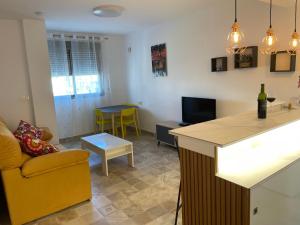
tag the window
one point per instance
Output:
(75, 66)
(63, 85)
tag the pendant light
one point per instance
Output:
(270, 40)
(235, 37)
(294, 43)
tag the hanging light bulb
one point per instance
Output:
(294, 43)
(235, 37)
(269, 42)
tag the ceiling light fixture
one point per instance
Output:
(108, 11)
(270, 40)
(295, 39)
(235, 37)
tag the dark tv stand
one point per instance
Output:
(162, 132)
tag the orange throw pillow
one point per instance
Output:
(36, 147)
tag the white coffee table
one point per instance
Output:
(109, 147)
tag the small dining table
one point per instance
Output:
(116, 109)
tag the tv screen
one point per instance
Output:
(197, 110)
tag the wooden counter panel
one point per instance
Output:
(207, 199)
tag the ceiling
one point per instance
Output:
(76, 15)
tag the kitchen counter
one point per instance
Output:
(228, 130)
(226, 165)
(247, 150)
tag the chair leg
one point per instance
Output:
(178, 204)
(122, 128)
(136, 129)
(138, 122)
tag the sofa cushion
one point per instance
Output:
(27, 128)
(55, 161)
(36, 147)
(46, 134)
(25, 157)
(10, 151)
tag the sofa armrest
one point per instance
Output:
(50, 162)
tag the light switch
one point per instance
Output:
(25, 98)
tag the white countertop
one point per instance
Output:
(249, 150)
(228, 130)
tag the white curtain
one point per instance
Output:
(61, 79)
(80, 82)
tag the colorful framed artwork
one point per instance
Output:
(159, 60)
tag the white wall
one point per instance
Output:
(24, 72)
(14, 77)
(114, 58)
(35, 37)
(191, 43)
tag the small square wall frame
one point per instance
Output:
(219, 64)
(247, 59)
(282, 61)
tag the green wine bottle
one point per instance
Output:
(262, 103)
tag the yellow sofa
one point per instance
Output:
(36, 187)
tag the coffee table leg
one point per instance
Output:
(131, 158)
(104, 164)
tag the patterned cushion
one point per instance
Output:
(36, 147)
(27, 128)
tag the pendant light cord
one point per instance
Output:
(296, 7)
(271, 13)
(235, 13)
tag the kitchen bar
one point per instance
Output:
(239, 170)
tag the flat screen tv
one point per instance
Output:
(198, 110)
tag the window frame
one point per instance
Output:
(70, 66)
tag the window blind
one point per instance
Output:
(76, 65)
(84, 57)
(58, 57)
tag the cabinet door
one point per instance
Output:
(162, 134)
(277, 200)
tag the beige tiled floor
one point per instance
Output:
(146, 194)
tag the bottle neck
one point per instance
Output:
(262, 89)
